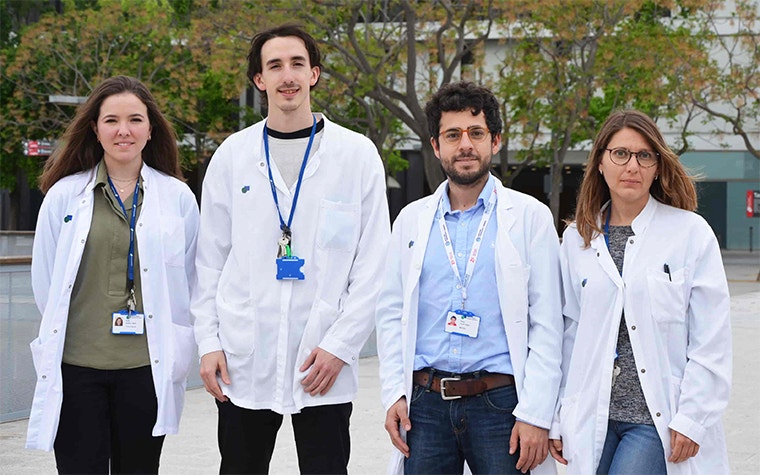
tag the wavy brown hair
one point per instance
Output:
(674, 186)
(80, 150)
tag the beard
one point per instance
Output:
(465, 178)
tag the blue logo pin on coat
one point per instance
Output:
(411, 243)
(68, 218)
(246, 189)
(583, 282)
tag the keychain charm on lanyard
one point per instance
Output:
(288, 265)
(461, 321)
(129, 321)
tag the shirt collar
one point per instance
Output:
(483, 197)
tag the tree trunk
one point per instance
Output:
(433, 172)
(555, 171)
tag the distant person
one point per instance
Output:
(647, 348)
(294, 227)
(487, 258)
(115, 238)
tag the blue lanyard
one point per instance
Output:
(607, 228)
(131, 256)
(283, 226)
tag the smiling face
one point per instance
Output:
(467, 162)
(629, 184)
(123, 129)
(286, 76)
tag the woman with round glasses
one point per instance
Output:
(647, 347)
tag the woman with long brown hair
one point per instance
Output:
(647, 347)
(112, 266)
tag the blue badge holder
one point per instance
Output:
(289, 268)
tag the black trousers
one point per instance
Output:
(106, 422)
(247, 437)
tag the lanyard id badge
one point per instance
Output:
(288, 265)
(129, 321)
(462, 322)
(126, 322)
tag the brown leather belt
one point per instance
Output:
(455, 387)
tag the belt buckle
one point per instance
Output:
(443, 389)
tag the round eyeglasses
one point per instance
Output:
(453, 136)
(645, 158)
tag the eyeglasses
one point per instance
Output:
(453, 136)
(621, 156)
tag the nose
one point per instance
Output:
(465, 142)
(123, 129)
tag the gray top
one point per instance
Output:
(627, 403)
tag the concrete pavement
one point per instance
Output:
(194, 450)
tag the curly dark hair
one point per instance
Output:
(461, 96)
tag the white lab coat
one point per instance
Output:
(267, 327)
(166, 238)
(527, 273)
(679, 329)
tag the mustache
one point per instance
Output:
(465, 155)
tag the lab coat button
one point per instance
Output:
(150, 315)
(643, 370)
(597, 254)
(145, 269)
(55, 331)
(633, 327)
(631, 241)
(658, 414)
(82, 241)
(261, 164)
(155, 361)
(44, 377)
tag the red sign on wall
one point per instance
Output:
(753, 203)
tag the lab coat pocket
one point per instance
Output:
(339, 225)
(184, 349)
(236, 326)
(173, 240)
(666, 295)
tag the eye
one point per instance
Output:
(452, 135)
(477, 133)
(620, 153)
(644, 155)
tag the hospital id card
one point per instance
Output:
(126, 323)
(462, 322)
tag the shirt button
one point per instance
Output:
(454, 351)
(459, 286)
(643, 370)
(462, 224)
(459, 254)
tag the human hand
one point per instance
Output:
(681, 447)
(555, 448)
(211, 364)
(325, 368)
(397, 416)
(534, 445)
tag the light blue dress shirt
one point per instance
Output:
(440, 293)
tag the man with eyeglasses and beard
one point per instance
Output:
(482, 391)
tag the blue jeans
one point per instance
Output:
(632, 449)
(476, 429)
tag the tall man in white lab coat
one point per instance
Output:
(294, 228)
(481, 391)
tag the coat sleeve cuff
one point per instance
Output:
(209, 345)
(689, 428)
(340, 350)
